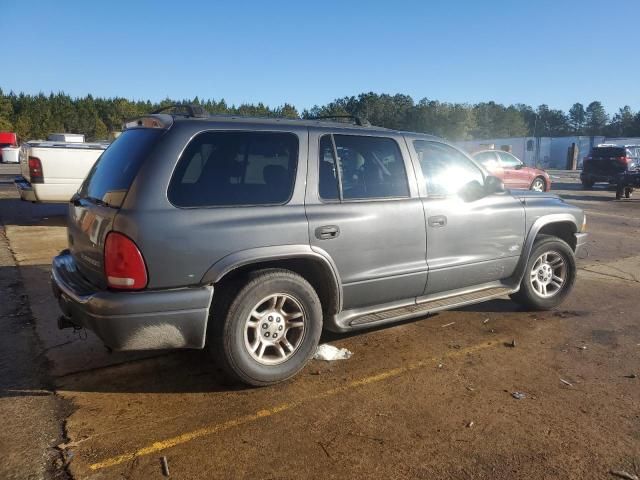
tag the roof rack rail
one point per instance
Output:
(195, 111)
(361, 122)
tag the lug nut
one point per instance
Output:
(264, 325)
(275, 335)
(270, 318)
(278, 319)
(267, 334)
(280, 327)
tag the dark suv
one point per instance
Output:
(248, 236)
(606, 162)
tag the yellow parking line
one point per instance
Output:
(236, 422)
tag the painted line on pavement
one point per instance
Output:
(268, 412)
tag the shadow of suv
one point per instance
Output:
(247, 236)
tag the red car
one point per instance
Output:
(512, 171)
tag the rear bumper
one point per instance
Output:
(25, 189)
(147, 320)
(598, 177)
(581, 241)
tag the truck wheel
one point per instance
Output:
(549, 275)
(538, 185)
(270, 330)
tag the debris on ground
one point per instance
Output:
(566, 382)
(623, 474)
(518, 395)
(485, 321)
(165, 466)
(330, 353)
(470, 388)
(470, 424)
(582, 347)
(631, 375)
(511, 344)
(447, 324)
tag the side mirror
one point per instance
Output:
(493, 185)
(519, 166)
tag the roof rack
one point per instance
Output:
(195, 111)
(361, 122)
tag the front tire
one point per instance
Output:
(549, 276)
(270, 330)
(538, 185)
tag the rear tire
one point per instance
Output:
(549, 275)
(256, 355)
(628, 192)
(588, 184)
(619, 192)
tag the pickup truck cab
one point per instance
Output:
(53, 171)
(248, 236)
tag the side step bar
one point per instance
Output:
(418, 309)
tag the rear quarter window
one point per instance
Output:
(235, 168)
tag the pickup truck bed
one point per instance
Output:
(53, 171)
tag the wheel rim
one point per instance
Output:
(274, 329)
(538, 186)
(548, 274)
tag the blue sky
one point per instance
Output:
(305, 53)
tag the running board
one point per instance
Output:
(417, 309)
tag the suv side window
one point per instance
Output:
(235, 168)
(445, 169)
(370, 168)
(508, 161)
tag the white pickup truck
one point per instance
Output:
(53, 171)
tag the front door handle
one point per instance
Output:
(327, 232)
(437, 221)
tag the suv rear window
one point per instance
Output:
(112, 174)
(235, 168)
(608, 152)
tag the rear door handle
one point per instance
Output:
(327, 232)
(437, 221)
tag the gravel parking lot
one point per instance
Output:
(431, 398)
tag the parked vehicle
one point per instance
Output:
(606, 162)
(10, 154)
(512, 171)
(249, 236)
(53, 171)
(8, 140)
(66, 137)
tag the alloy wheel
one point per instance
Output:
(274, 329)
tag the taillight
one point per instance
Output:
(624, 160)
(35, 170)
(123, 263)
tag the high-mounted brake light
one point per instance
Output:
(35, 170)
(123, 263)
(147, 122)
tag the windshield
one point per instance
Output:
(112, 175)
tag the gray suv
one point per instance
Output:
(248, 236)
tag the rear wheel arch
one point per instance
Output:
(312, 266)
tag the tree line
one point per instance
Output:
(35, 116)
